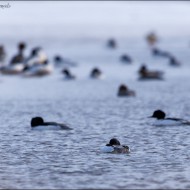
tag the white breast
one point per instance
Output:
(107, 149)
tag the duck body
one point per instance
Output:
(38, 70)
(12, 69)
(171, 122)
(117, 149)
(37, 123)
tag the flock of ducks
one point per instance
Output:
(37, 64)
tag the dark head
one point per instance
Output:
(111, 43)
(114, 141)
(57, 58)
(21, 46)
(66, 72)
(143, 67)
(125, 58)
(35, 51)
(36, 121)
(159, 114)
(96, 71)
(123, 88)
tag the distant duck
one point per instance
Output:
(38, 69)
(124, 91)
(96, 73)
(37, 123)
(151, 38)
(173, 61)
(19, 58)
(163, 121)
(159, 53)
(37, 56)
(2, 55)
(114, 146)
(146, 74)
(60, 61)
(68, 74)
(125, 59)
(111, 43)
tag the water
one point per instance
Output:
(71, 159)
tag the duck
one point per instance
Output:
(146, 74)
(111, 43)
(125, 58)
(96, 73)
(37, 56)
(59, 61)
(68, 74)
(37, 123)
(162, 120)
(19, 58)
(160, 53)
(151, 38)
(40, 70)
(114, 146)
(124, 91)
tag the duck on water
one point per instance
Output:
(37, 123)
(114, 146)
(162, 120)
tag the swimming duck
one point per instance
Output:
(124, 91)
(146, 74)
(96, 73)
(114, 146)
(37, 56)
(111, 43)
(151, 38)
(68, 74)
(160, 53)
(126, 58)
(19, 58)
(162, 120)
(38, 69)
(38, 123)
(59, 61)
(173, 61)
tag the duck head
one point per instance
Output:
(159, 114)
(113, 141)
(36, 121)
